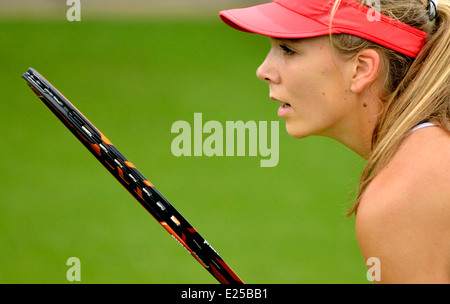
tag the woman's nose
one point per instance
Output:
(267, 72)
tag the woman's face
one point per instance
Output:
(312, 83)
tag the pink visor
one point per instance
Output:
(293, 19)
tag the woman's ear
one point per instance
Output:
(365, 69)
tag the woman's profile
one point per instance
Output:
(375, 77)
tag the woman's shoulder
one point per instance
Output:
(404, 214)
(419, 170)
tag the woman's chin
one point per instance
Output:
(296, 131)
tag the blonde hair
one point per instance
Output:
(415, 90)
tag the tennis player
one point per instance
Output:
(374, 77)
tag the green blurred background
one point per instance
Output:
(134, 68)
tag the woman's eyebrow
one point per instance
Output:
(286, 40)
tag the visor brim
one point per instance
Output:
(273, 20)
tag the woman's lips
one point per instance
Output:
(284, 109)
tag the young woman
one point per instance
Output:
(375, 78)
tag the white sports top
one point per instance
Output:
(423, 125)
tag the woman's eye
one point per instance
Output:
(287, 50)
